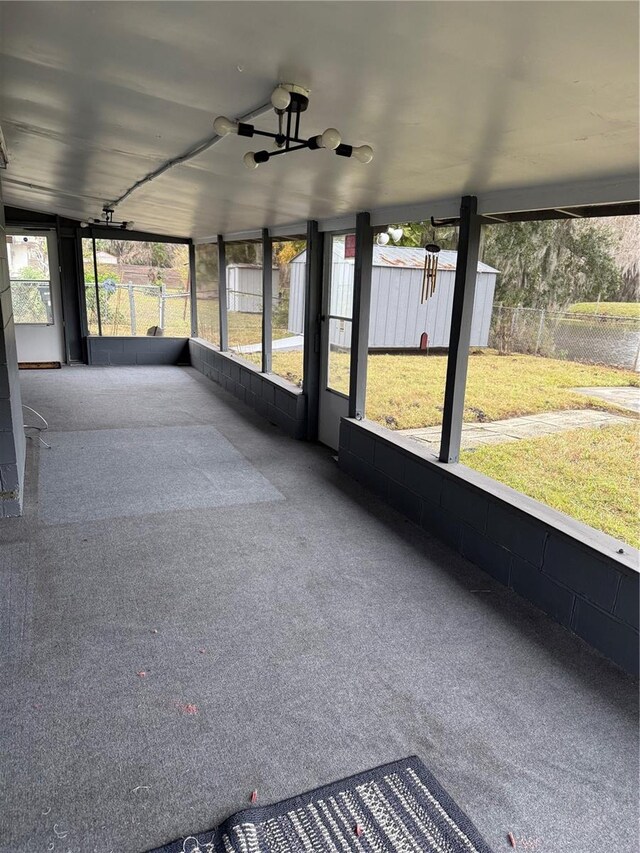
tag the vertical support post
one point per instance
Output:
(95, 275)
(267, 300)
(360, 316)
(312, 312)
(192, 290)
(222, 294)
(460, 336)
(540, 329)
(162, 306)
(132, 309)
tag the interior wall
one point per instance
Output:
(12, 438)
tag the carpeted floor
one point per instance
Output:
(302, 636)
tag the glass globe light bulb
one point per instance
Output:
(363, 153)
(331, 138)
(249, 160)
(223, 125)
(280, 98)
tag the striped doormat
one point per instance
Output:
(395, 807)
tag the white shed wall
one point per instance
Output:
(244, 288)
(398, 319)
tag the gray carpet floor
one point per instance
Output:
(291, 632)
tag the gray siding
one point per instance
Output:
(571, 572)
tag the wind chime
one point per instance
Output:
(430, 271)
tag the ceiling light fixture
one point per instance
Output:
(289, 102)
(107, 221)
(391, 233)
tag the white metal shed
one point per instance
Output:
(398, 318)
(244, 287)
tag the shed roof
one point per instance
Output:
(405, 257)
(413, 257)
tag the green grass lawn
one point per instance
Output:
(589, 474)
(406, 391)
(607, 309)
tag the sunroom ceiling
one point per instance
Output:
(455, 98)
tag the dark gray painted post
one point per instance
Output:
(267, 300)
(192, 289)
(95, 275)
(460, 337)
(222, 294)
(312, 312)
(361, 311)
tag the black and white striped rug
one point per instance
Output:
(395, 808)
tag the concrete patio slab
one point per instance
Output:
(627, 397)
(515, 429)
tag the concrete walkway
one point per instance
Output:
(291, 343)
(515, 429)
(627, 397)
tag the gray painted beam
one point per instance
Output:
(95, 276)
(361, 310)
(460, 336)
(222, 293)
(267, 300)
(192, 290)
(312, 312)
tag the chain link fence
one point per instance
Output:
(31, 302)
(136, 309)
(588, 338)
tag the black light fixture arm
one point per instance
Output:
(107, 220)
(292, 101)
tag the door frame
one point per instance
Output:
(332, 405)
(55, 284)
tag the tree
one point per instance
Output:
(141, 253)
(551, 263)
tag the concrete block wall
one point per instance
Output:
(273, 398)
(12, 438)
(571, 572)
(108, 350)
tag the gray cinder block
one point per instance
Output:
(529, 582)
(626, 607)
(524, 536)
(616, 640)
(467, 504)
(484, 553)
(582, 571)
(389, 460)
(441, 523)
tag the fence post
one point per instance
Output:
(540, 327)
(162, 297)
(132, 309)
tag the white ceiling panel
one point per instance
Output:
(454, 97)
